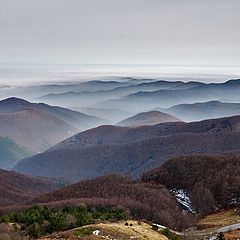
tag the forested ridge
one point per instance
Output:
(213, 182)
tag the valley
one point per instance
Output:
(170, 173)
(119, 120)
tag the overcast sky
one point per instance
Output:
(174, 32)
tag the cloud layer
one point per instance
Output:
(120, 31)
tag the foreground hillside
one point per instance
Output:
(142, 200)
(116, 230)
(211, 182)
(148, 118)
(103, 199)
(16, 188)
(108, 149)
(206, 183)
(200, 184)
(138, 200)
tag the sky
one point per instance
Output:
(164, 32)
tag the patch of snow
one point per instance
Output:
(182, 198)
(96, 232)
(233, 201)
(210, 238)
(159, 226)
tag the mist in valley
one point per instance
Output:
(119, 119)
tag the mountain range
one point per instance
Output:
(77, 119)
(165, 98)
(36, 91)
(116, 98)
(35, 127)
(131, 151)
(203, 110)
(204, 182)
(88, 98)
(171, 155)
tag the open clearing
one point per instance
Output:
(220, 219)
(116, 230)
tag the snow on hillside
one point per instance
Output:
(183, 198)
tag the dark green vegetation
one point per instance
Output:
(37, 221)
(142, 200)
(139, 199)
(211, 182)
(10, 152)
(83, 232)
(170, 235)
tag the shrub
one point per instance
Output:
(38, 221)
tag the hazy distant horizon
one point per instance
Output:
(77, 40)
(31, 74)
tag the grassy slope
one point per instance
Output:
(8, 232)
(220, 219)
(116, 230)
(10, 152)
(208, 225)
(234, 235)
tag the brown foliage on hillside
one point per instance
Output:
(140, 200)
(131, 151)
(15, 188)
(211, 180)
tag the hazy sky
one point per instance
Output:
(175, 32)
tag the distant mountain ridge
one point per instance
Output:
(88, 98)
(148, 118)
(33, 129)
(203, 110)
(108, 149)
(33, 92)
(76, 119)
(165, 98)
(130, 95)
